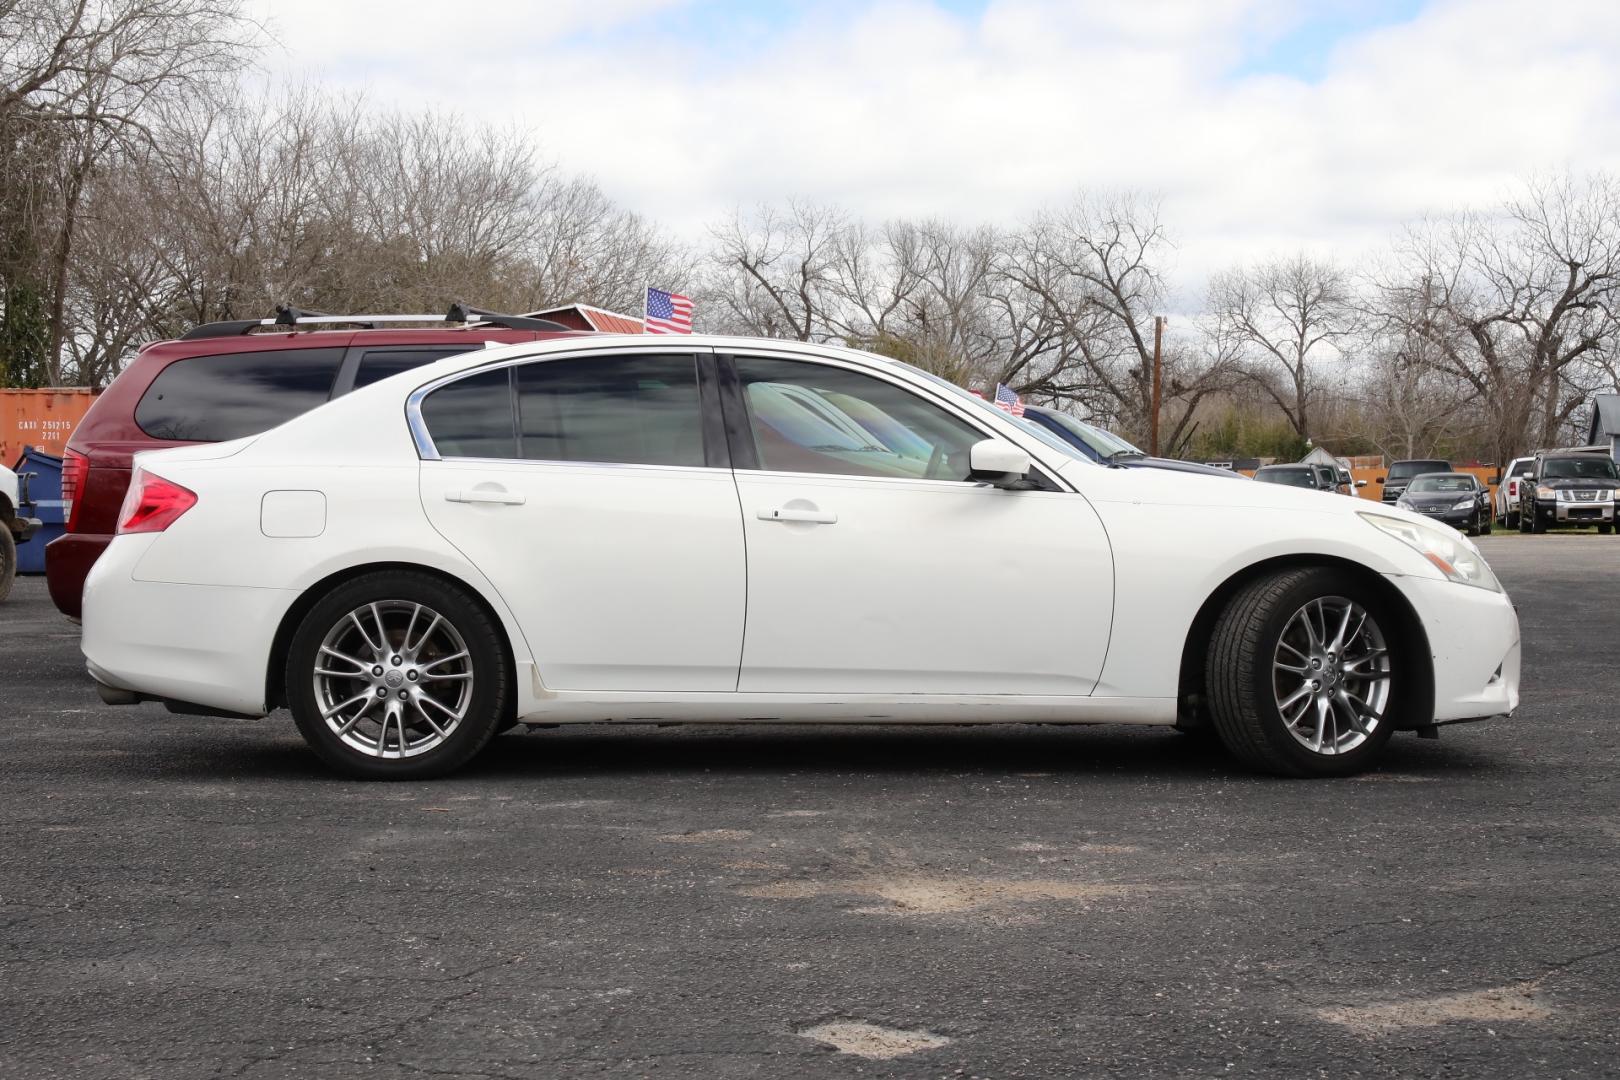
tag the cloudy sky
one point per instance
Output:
(1265, 125)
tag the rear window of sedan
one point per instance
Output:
(1405, 470)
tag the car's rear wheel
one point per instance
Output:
(1302, 673)
(397, 675)
(8, 560)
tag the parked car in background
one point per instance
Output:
(225, 380)
(15, 527)
(1509, 490)
(1401, 473)
(1456, 498)
(1313, 477)
(1568, 487)
(619, 528)
(1106, 448)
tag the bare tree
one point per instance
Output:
(1287, 317)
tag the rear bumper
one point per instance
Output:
(68, 560)
(206, 647)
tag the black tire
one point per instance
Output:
(488, 702)
(1239, 673)
(1537, 526)
(1605, 530)
(8, 560)
(1512, 520)
(1488, 525)
(1525, 518)
(1474, 525)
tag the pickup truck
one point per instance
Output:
(14, 527)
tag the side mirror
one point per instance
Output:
(1361, 483)
(999, 462)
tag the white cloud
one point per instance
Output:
(901, 108)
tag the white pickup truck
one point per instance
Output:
(14, 528)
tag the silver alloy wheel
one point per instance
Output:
(393, 679)
(1331, 674)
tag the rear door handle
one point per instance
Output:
(783, 513)
(485, 495)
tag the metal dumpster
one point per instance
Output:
(41, 475)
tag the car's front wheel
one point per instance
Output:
(1301, 673)
(397, 675)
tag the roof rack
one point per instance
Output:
(292, 318)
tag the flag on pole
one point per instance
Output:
(1007, 401)
(666, 313)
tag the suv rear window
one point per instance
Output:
(379, 364)
(215, 398)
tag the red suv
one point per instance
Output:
(225, 380)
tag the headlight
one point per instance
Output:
(1447, 549)
(1403, 504)
(1463, 504)
(1546, 493)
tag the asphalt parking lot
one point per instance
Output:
(190, 897)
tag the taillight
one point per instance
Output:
(153, 504)
(1513, 487)
(75, 469)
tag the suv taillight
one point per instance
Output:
(153, 504)
(75, 468)
(1513, 488)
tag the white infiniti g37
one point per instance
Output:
(702, 529)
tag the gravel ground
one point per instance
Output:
(188, 897)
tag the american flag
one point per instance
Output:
(667, 313)
(1008, 401)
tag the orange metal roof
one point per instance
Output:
(594, 318)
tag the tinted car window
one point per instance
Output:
(1405, 470)
(214, 398)
(641, 410)
(472, 417)
(1304, 478)
(816, 418)
(379, 364)
(1581, 468)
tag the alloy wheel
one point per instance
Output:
(1331, 675)
(393, 679)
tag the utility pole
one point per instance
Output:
(1158, 383)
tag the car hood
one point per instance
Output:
(1432, 498)
(1191, 467)
(1175, 487)
(1578, 483)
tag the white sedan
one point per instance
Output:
(630, 529)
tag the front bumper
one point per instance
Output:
(203, 645)
(1457, 519)
(1575, 513)
(1474, 641)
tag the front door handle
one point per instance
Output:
(497, 496)
(793, 513)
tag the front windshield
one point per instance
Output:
(1441, 482)
(1105, 443)
(1046, 437)
(1292, 477)
(1579, 468)
(1402, 470)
